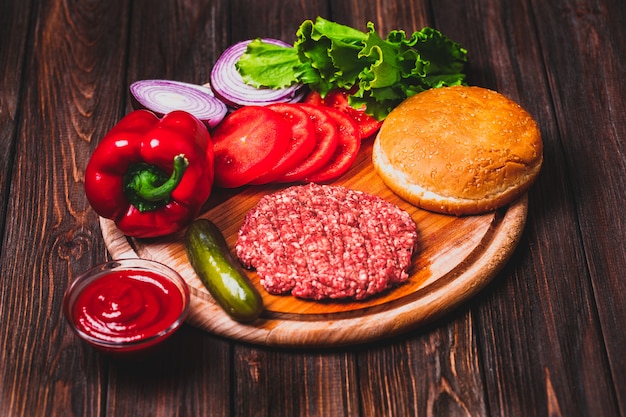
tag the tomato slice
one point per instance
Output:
(314, 98)
(326, 135)
(347, 149)
(338, 99)
(247, 143)
(367, 124)
(300, 145)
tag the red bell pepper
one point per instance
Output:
(150, 175)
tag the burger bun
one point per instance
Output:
(458, 150)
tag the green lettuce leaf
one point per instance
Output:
(268, 65)
(381, 72)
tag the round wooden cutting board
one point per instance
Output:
(456, 258)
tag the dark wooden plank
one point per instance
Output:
(385, 15)
(585, 74)
(189, 376)
(434, 372)
(266, 18)
(177, 40)
(294, 383)
(542, 350)
(69, 99)
(14, 31)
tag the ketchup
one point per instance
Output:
(126, 306)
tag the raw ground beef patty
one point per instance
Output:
(321, 241)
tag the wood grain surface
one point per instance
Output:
(546, 336)
(456, 258)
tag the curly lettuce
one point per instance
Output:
(379, 72)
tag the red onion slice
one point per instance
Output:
(164, 96)
(228, 85)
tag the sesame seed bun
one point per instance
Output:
(458, 150)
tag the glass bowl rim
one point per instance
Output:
(125, 264)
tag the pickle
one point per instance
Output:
(220, 273)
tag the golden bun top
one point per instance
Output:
(468, 144)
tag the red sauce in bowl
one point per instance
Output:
(127, 305)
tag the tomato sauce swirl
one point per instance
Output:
(126, 306)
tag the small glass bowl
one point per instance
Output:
(124, 267)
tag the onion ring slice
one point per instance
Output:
(228, 85)
(164, 96)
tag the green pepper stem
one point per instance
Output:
(147, 187)
(149, 191)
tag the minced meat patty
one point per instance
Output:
(321, 241)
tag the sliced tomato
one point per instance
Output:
(314, 98)
(367, 124)
(300, 145)
(326, 135)
(247, 143)
(347, 149)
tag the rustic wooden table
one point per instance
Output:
(546, 337)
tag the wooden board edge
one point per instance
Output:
(207, 315)
(410, 316)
